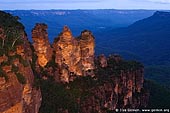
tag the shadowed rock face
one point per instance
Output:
(87, 45)
(16, 97)
(102, 61)
(123, 90)
(41, 44)
(17, 94)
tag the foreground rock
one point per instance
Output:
(17, 94)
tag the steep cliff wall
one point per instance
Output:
(121, 87)
(117, 84)
(17, 94)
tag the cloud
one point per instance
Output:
(160, 1)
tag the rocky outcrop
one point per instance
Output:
(17, 94)
(87, 45)
(68, 56)
(122, 90)
(74, 56)
(19, 98)
(113, 83)
(41, 44)
(102, 61)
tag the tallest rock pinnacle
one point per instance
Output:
(74, 55)
(68, 56)
(41, 44)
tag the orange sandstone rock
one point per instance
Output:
(74, 55)
(41, 44)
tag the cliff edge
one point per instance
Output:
(17, 94)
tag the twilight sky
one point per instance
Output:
(84, 4)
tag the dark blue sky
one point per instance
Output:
(84, 4)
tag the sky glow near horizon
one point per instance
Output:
(84, 4)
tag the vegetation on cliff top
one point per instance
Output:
(115, 67)
(10, 32)
(11, 35)
(58, 97)
(159, 95)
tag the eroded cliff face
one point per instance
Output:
(120, 86)
(17, 94)
(120, 92)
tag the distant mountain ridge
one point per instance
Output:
(147, 40)
(157, 21)
(67, 12)
(94, 20)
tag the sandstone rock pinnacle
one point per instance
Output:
(87, 45)
(41, 44)
(74, 55)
